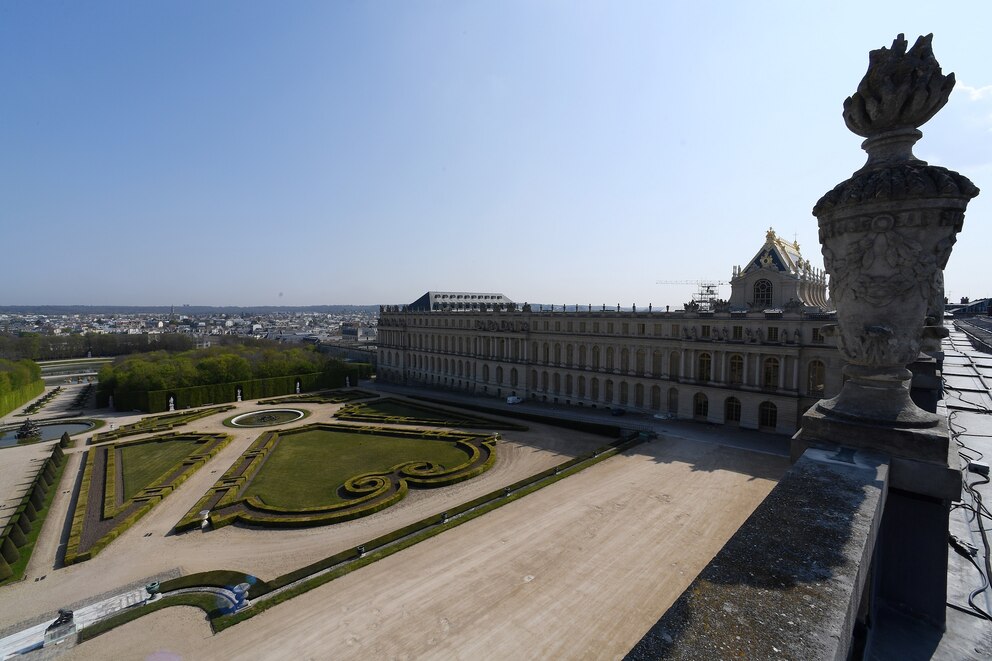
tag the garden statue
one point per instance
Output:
(28, 431)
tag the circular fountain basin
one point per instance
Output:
(49, 431)
(267, 418)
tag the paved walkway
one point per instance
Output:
(33, 637)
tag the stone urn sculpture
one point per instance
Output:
(886, 234)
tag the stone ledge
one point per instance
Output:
(789, 582)
(926, 445)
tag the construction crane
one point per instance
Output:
(706, 292)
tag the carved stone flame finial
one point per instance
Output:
(901, 90)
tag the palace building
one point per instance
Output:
(756, 361)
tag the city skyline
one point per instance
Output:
(246, 154)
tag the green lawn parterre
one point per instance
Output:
(289, 480)
(123, 481)
(322, 473)
(143, 463)
(336, 396)
(389, 410)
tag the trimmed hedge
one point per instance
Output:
(19, 536)
(426, 415)
(157, 401)
(141, 503)
(159, 423)
(17, 398)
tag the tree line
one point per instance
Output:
(34, 346)
(15, 375)
(165, 370)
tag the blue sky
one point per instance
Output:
(263, 153)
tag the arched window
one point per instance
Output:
(673, 401)
(763, 293)
(639, 363)
(582, 356)
(513, 377)
(569, 351)
(557, 354)
(656, 363)
(608, 396)
(485, 373)
(673, 365)
(547, 353)
(769, 373)
(594, 389)
(656, 398)
(736, 370)
(732, 410)
(624, 360)
(595, 358)
(700, 406)
(767, 415)
(609, 358)
(814, 382)
(704, 367)
(624, 389)
(499, 374)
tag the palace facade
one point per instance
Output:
(756, 361)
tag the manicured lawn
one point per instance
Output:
(396, 407)
(403, 412)
(146, 462)
(306, 469)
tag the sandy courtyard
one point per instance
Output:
(578, 570)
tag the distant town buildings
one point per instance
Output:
(354, 327)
